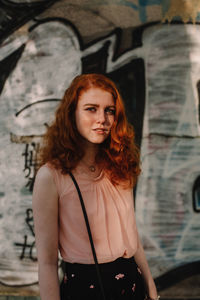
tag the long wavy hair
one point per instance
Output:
(62, 146)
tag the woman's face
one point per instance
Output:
(95, 113)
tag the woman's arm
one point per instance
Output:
(146, 273)
(45, 212)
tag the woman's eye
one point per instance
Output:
(91, 108)
(110, 111)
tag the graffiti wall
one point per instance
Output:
(156, 67)
(167, 193)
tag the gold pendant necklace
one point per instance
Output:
(92, 168)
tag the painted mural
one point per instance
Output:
(167, 201)
(159, 77)
(186, 10)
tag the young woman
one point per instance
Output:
(91, 138)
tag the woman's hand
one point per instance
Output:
(149, 298)
(152, 292)
(141, 261)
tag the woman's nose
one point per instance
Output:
(101, 117)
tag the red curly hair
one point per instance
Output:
(62, 145)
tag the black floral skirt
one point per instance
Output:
(121, 278)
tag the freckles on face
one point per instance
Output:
(95, 114)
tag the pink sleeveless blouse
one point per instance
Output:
(111, 216)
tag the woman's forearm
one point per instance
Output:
(49, 282)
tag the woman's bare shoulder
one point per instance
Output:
(44, 185)
(44, 178)
(44, 173)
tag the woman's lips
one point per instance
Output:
(101, 130)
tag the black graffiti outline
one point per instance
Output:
(30, 163)
(29, 220)
(36, 102)
(24, 246)
(196, 187)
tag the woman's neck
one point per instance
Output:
(90, 154)
(88, 163)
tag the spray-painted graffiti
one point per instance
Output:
(30, 163)
(170, 148)
(196, 195)
(28, 100)
(187, 10)
(15, 13)
(28, 249)
(167, 196)
(140, 6)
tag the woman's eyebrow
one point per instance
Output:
(97, 105)
(91, 104)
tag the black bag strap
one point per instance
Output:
(90, 236)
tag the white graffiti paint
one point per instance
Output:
(170, 147)
(50, 59)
